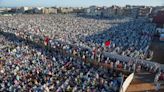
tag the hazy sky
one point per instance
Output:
(79, 3)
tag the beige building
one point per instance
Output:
(65, 10)
(49, 11)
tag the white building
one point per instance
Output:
(161, 33)
(161, 37)
(22, 9)
(145, 11)
(37, 9)
(111, 11)
(93, 11)
(160, 30)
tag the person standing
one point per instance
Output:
(46, 43)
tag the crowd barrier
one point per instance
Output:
(123, 58)
(127, 82)
(126, 59)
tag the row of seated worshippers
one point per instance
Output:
(30, 67)
(26, 67)
(36, 58)
(129, 37)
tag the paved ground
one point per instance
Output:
(158, 49)
(143, 82)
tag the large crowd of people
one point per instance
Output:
(128, 37)
(27, 67)
(28, 62)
